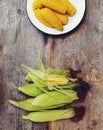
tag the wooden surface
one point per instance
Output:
(81, 49)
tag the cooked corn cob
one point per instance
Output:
(50, 115)
(48, 16)
(38, 14)
(51, 18)
(63, 18)
(71, 9)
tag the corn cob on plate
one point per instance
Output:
(74, 11)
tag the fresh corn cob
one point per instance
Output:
(50, 115)
(71, 9)
(49, 71)
(50, 17)
(49, 76)
(30, 89)
(55, 98)
(62, 17)
(38, 14)
(27, 105)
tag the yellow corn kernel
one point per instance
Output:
(50, 17)
(55, 83)
(56, 80)
(71, 9)
(38, 14)
(63, 18)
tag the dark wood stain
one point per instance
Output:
(53, 45)
(2, 100)
(83, 89)
(2, 92)
(1, 48)
(45, 36)
(53, 52)
(79, 113)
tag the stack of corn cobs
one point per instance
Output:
(47, 89)
(54, 13)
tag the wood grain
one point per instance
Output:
(81, 49)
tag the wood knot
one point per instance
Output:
(19, 11)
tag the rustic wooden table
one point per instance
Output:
(81, 49)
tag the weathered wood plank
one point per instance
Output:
(80, 49)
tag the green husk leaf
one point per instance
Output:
(28, 78)
(51, 115)
(69, 86)
(30, 89)
(25, 105)
(36, 72)
(37, 80)
(44, 90)
(57, 72)
(58, 89)
(40, 64)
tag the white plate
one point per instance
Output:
(73, 21)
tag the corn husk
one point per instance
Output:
(55, 98)
(33, 90)
(27, 105)
(51, 115)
